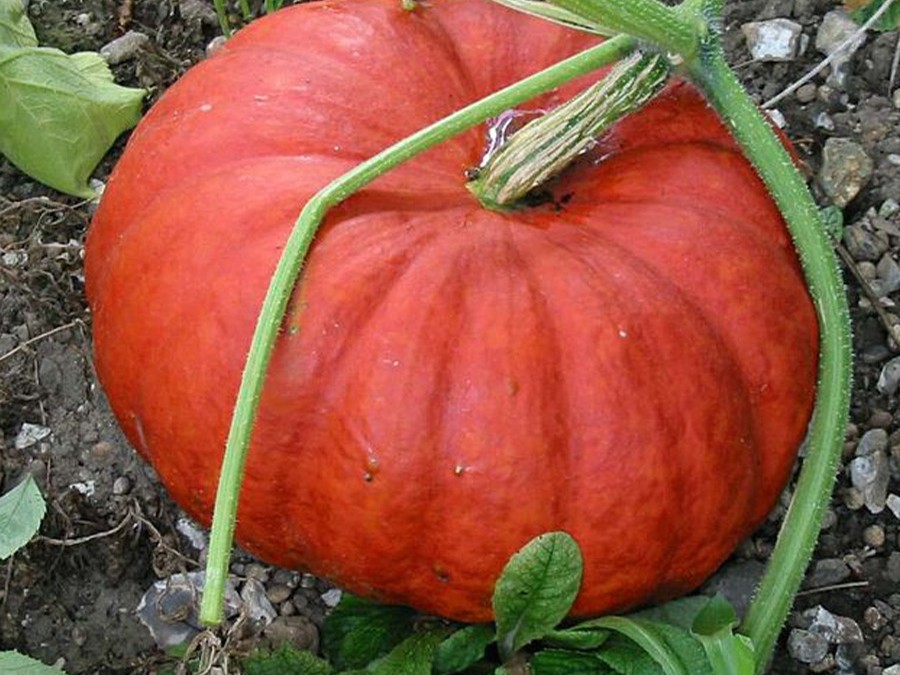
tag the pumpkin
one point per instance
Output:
(632, 361)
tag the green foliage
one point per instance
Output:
(463, 648)
(21, 512)
(863, 10)
(536, 590)
(14, 663)
(286, 660)
(359, 631)
(61, 113)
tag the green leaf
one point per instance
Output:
(359, 631)
(560, 662)
(61, 114)
(673, 648)
(626, 657)
(862, 11)
(463, 648)
(286, 659)
(14, 663)
(21, 512)
(15, 28)
(536, 590)
(728, 654)
(576, 637)
(414, 656)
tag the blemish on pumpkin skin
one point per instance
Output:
(372, 468)
(459, 470)
(512, 387)
(442, 574)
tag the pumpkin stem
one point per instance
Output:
(547, 145)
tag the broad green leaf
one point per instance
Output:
(560, 662)
(624, 657)
(463, 648)
(21, 512)
(728, 654)
(414, 656)
(863, 10)
(536, 590)
(674, 649)
(61, 114)
(15, 28)
(359, 631)
(681, 612)
(14, 663)
(576, 637)
(285, 660)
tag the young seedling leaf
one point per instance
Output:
(60, 114)
(560, 662)
(15, 28)
(536, 590)
(286, 659)
(414, 656)
(728, 654)
(359, 631)
(463, 648)
(14, 663)
(21, 512)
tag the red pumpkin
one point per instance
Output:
(633, 364)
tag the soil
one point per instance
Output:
(110, 530)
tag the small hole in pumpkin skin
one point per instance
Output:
(442, 574)
(368, 477)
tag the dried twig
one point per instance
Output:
(893, 330)
(834, 587)
(37, 338)
(828, 60)
(91, 537)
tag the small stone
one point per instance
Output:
(124, 48)
(197, 11)
(892, 569)
(846, 169)
(332, 597)
(853, 499)
(847, 655)
(256, 604)
(836, 29)
(870, 475)
(880, 419)
(874, 536)
(197, 537)
(829, 519)
(823, 120)
(806, 93)
(888, 208)
(807, 647)
(838, 630)
(827, 572)
(889, 378)
(867, 270)
(891, 670)
(864, 244)
(874, 618)
(823, 666)
(286, 608)
(307, 581)
(297, 631)
(278, 593)
(889, 274)
(121, 486)
(289, 578)
(773, 40)
(29, 435)
(874, 440)
(896, 98)
(893, 503)
(257, 571)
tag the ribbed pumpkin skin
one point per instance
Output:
(634, 365)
